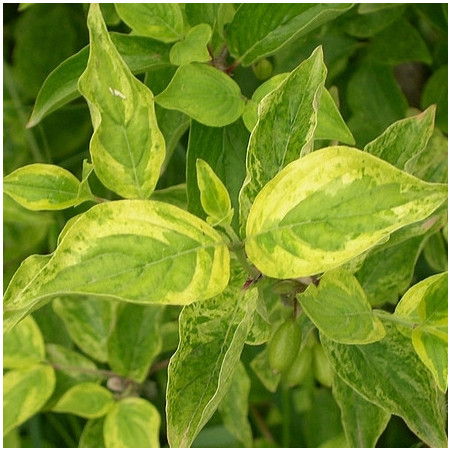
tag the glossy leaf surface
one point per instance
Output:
(193, 48)
(339, 308)
(127, 147)
(137, 251)
(330, 206)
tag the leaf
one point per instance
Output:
(202, 13)
(212, 335)
(435, 252)
(214, 195)
(127, 147)
(88, 400)
(24, 393)
(88, 322)
(363, 421)
(135, 341)
(260, 30)
(204, 93)
(159, 21)
(234, 407)
(41, 186)
(228, 161)
(132, 422)
(425, 305)
(435, 92)
(193, 48)
(285, 128)
(339, 308)
(60, 86)
(92, 434)
(402, 142)
(264, 372)
(389, 374)
(136, 251)
(330, 206)
(23, 346)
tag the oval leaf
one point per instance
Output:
(214, 196)
(127, 147)
(88, 400)
(339, 308)
(24, 393)
(330, 206)
(44, 187)
(193, 48)
(132, 422)
(163, 21)
(204, 93)
(24, 345)
(136, 251)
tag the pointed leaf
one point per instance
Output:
(88, 322)
(426, 306)
(24, 345)
(162, 21)
(330, 206)
(212, 336)
(137, 251)
(135, 340)
(41, 186)
(88, 400)
(132, 422)
(60, 87)
(127, 147)
(389, 374)
(339, 308)
(24, 393)
(204, 93)
(214, 195)
(264, 372)
(262, 29)
(92, 434)
(193, 48)
(285, 128)
(363, 421)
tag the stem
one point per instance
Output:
(286, 415)
(394, 318)
(261, 425)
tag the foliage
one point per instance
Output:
(225, 225)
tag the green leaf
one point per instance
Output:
(202, 13)
(234, 407)
(435, 252)
(127, 147)
(88, 322)
(135, 340)
(193, 48)
(88, 400)
(402, 142)
(264, 372)
(23, 346)
(260, 30)
(161, 21)
(435, 92)
(24, 393)
(60, 86)
(136, 251)
(389, 374)
(92, 434)
(212, 335)
(214, 195)
(285, 128)
(228, 161)
(176, 195)
(331, 125)
(41, 186)
(339, 308)
(425, 306)
(204, 93)
(363, 421)
(329, 207)
(132, 422)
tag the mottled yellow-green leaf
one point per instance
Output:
(129, 250)
(132, 422)
(214, 196)
(88, 400)
(330, 206)
(24, 393)
(41, 186)
(127, 147)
